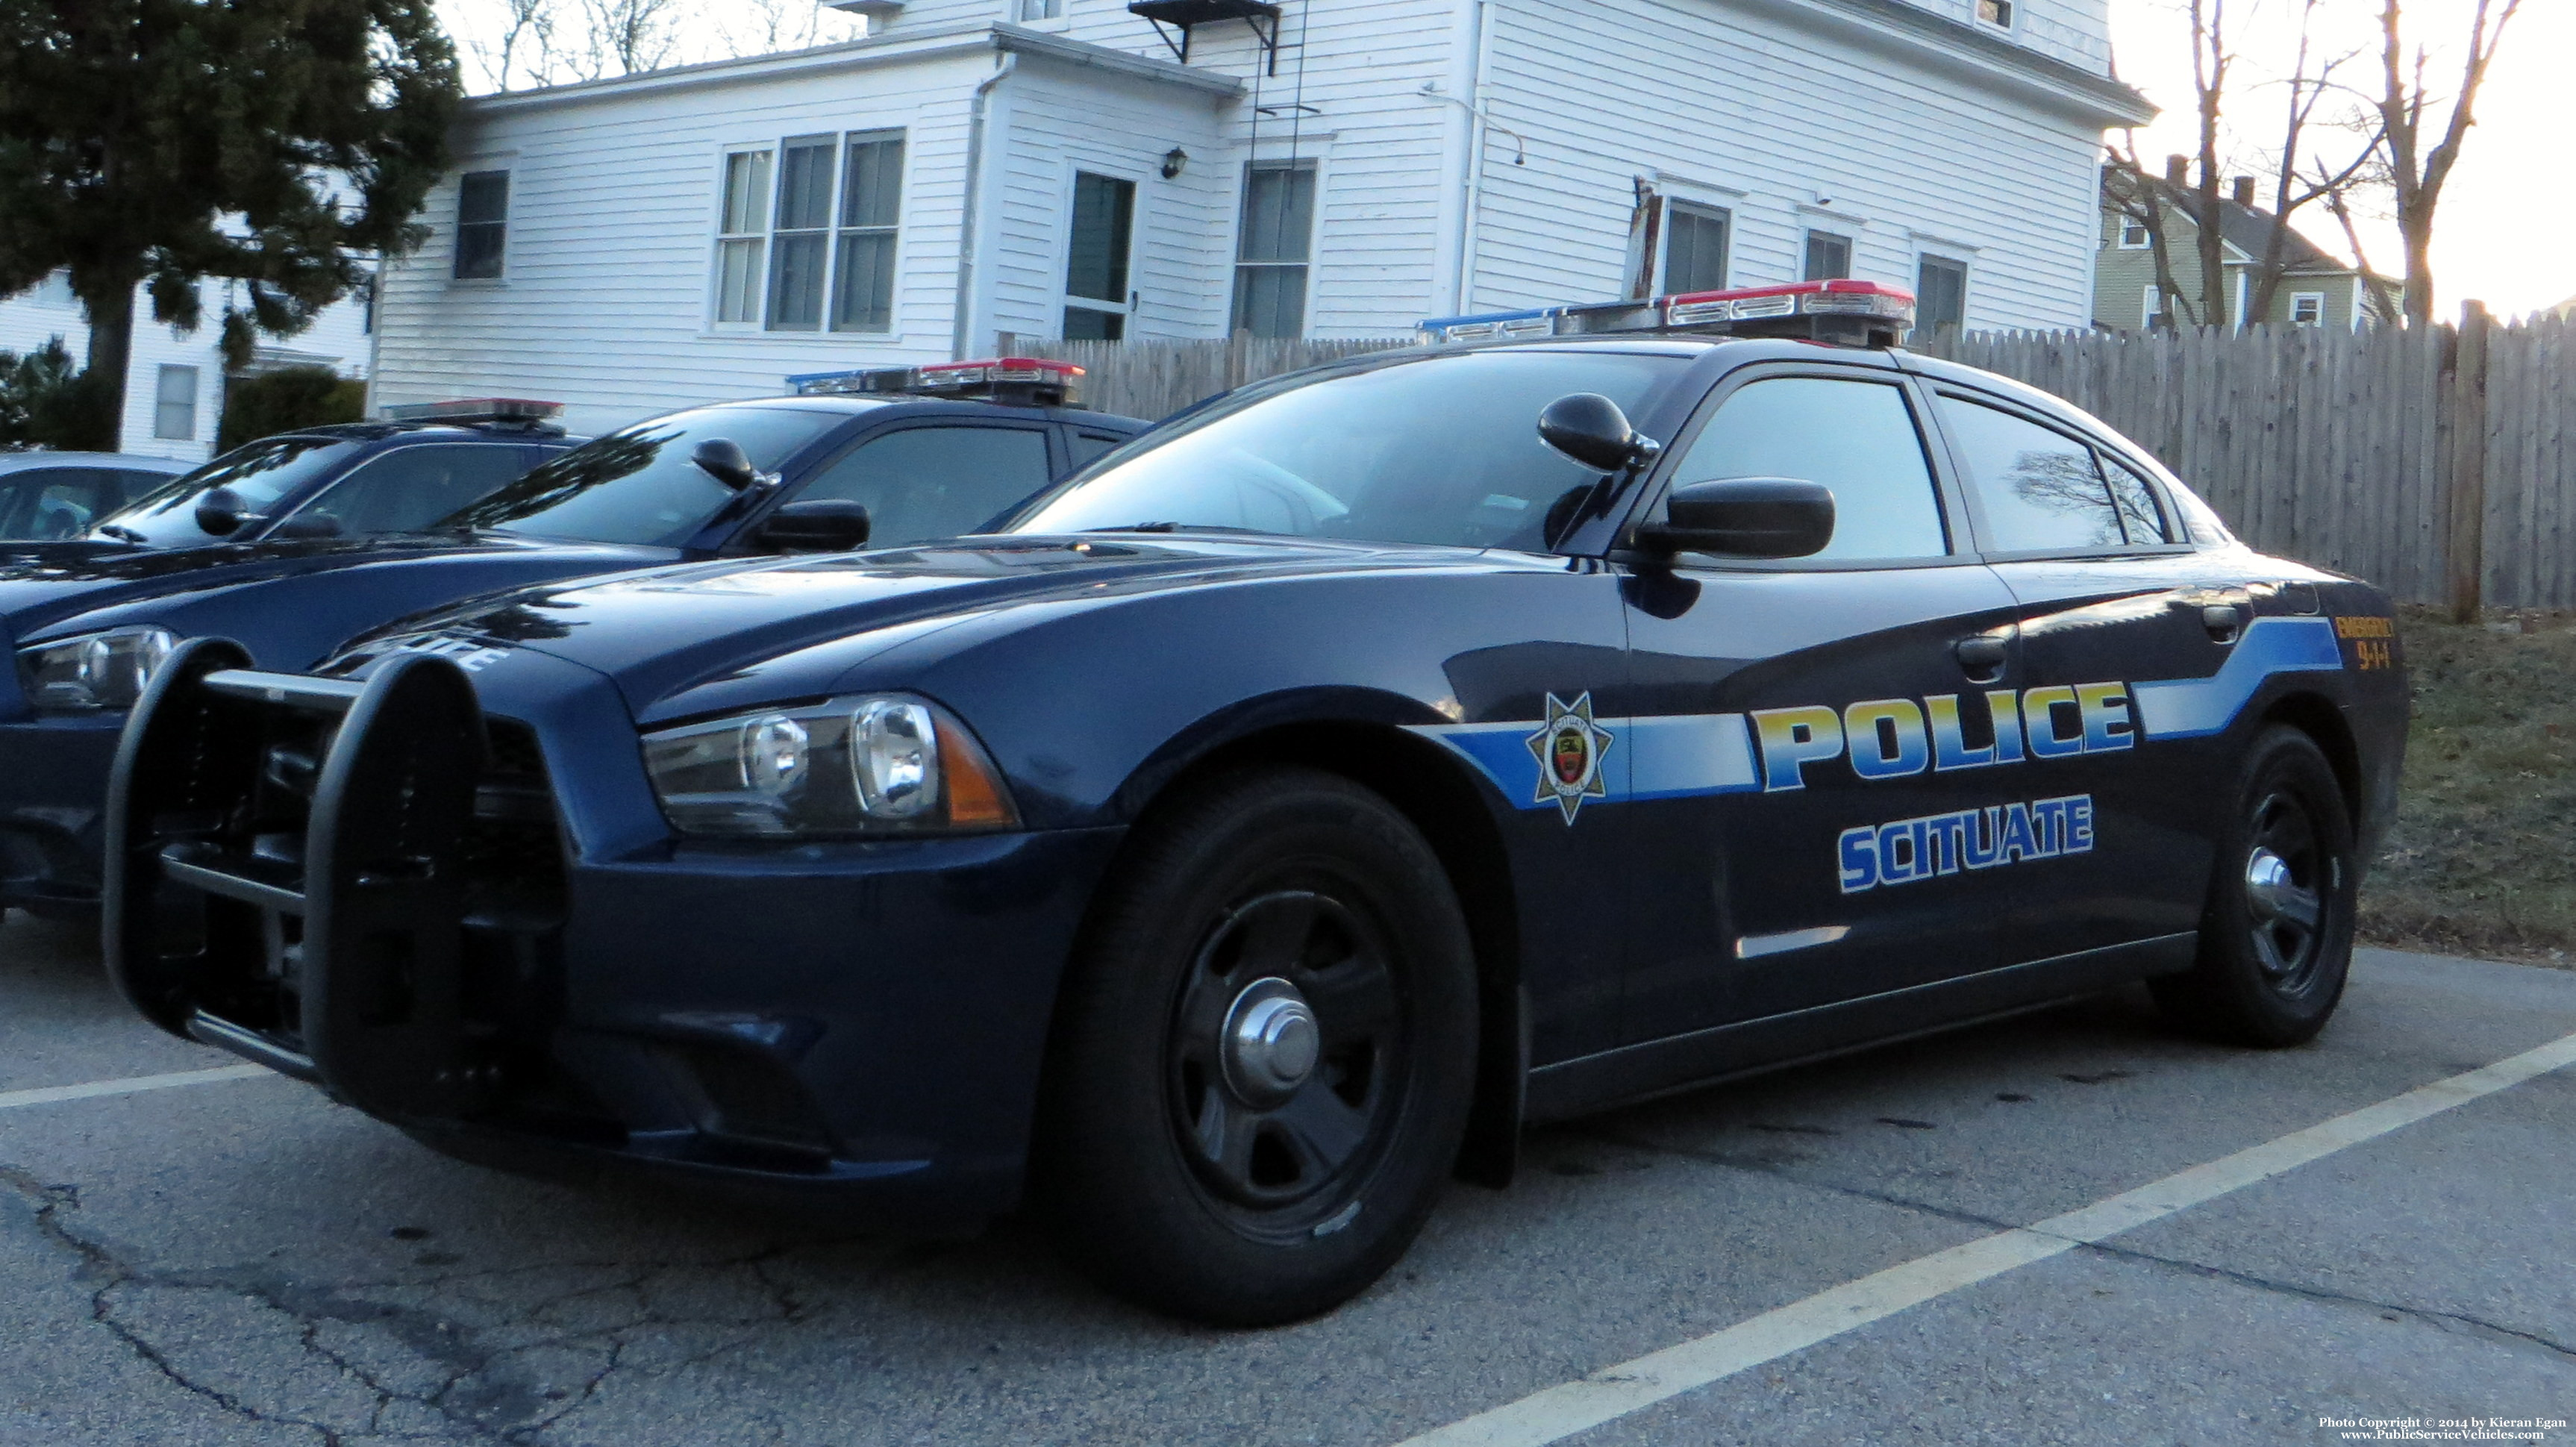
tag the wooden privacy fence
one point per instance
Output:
(2337, 448)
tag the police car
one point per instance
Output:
(1281, 812)
(909, 453)
(55, 496)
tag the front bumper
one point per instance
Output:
(52, 789)
(861, 1021)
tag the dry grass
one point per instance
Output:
(2482, 860)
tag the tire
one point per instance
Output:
(2276, 932)
(1194, 1170)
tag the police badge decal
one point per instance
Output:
(1569, 749)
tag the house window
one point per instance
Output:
(1037, 9)
(806, 233)
(1940, 293)
(1828, 256)
(1996, 12)
(1695, 238)
(482, 223)
(1276, 245)
(742, 236)
(2133, 236)
(2155, 305)
(174, 405)
(2307, 308)
(1095, 266)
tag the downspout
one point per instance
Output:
(1481, 50)
(376, 333)
(971, 212)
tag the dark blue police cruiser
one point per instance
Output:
(1281, 812)
(909, 453)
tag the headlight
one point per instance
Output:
(876, 765)
(97, 671)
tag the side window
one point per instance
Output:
(412, 488)
(2139, 515)
(935, 482)
(54, 502)
(2039, 486)
(1857, 438)
(1088, 445)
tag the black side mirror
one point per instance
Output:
(1744, 517)
(1591, 429)
(310, 525)
(726, 462)
(824, 525)
(221, 512)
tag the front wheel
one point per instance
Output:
(1264, 1055)
(2276, 932)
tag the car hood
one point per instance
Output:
(696, 638)
(43, 588)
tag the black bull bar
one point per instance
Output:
(287, 874)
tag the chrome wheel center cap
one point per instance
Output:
(2267, 879)
(1271, 1042)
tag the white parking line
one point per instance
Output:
(132, 1084)
(1613, 1392)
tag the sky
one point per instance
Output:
(2501, 232)
(2498, 236)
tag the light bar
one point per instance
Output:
(475, 409)
(1859, 313)
(1013, 381)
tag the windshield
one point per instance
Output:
(638, 485)
(260, 474)
(1444, 450)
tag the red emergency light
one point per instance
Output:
(463, 410)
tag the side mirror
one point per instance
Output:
(1744, 517)
(221, 512)
(726, 462)
(1591, 429)
(825, 525)
(310, 525)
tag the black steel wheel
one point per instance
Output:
(2276, 932)
(1264, 1054)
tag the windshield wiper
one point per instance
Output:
(122, 533)
(1178, 528)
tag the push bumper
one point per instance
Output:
(863, 1022)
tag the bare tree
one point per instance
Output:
(766, 27)
(2416, 173)
(2290, 190)
(2140, 199)
(525, 50)
(2210, 62)
(622, 37)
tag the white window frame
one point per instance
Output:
(1025, 12)
(2318, 297)
(2120, 237)
(1851, 247)
(2001, 21)
(834, 231)
(1130, 306)
(508, 168)
(1664, 284)
(161, 403)
(2148, 313)
(1235, 263)
(1958, 256)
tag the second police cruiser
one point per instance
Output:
(1284, 810)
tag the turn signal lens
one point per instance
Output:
(853, 767)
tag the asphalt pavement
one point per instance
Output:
(1906, 1245)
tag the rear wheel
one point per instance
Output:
(2276, 933)
(1264, 1055)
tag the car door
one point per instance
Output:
(411, 488)
(2107, 599)
(936, 479)
(1808, 730)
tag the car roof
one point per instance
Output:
(429, 432)
(21, 461)
(900, 405)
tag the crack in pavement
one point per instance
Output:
(484, 1380)
(1758, 1164)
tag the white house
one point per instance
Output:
(1184, 168)
(174, 381)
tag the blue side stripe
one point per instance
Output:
(2191, 708)
(1664, 757)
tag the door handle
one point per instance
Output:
(1982, 655)
(2224, 623)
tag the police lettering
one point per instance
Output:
(1911, 850)
(1890, 738)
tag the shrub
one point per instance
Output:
(287, 400)
(46, 401)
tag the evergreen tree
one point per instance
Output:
(154, 143)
